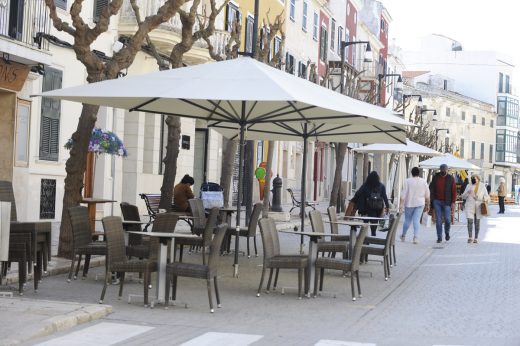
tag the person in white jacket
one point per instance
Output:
(415, 199)
(475, 194)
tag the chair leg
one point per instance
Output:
(388, 265)
(261, 281)
(71, 265)
(393, 255)
(358, 284)
(269, 280)
(77, 266)
(316, 277)
(180, 252)
(254, 243)
(146, 282)
(300, 282)
(352, 285)
(276, 278)
(208, 283)
(174, 288)
(248, 253)
(104, 287)
(217, 295)
(167, 288)
(121, 283)
(38, 270)
(322, 274)
(385, 267)
(86, 266)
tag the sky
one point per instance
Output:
(477, 24)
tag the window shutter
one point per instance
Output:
(50, 117)
(61, 4)
(99, 5)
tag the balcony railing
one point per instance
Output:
(23, 20)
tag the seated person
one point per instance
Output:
(182, 193)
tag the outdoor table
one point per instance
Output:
(91, 203)
(164, 238)
(353, 225)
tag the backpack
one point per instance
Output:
(375, 200)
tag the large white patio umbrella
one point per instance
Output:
(409, 148)
(453, 162)
(240, 91)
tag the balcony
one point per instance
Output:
(20, 23)
(169, 33)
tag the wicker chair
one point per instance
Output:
(385, 250)
(381, 241)
(332, 246)
(250, 230)
(137, 246)
(39, 249)
(333, 217)
(344, 265)
(19, 247)
(274, 260)
(203, 241)
(206, 272)
(199, 215)
(82, 243)
(117, 260)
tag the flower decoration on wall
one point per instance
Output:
(103, 142)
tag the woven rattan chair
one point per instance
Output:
(332, 246)
(383, 251)
(117, 260)
(333, 217)
(137, 245)
(250, 230)
(205, 238)
(344, 265)
(206, 272)
(274, 260)
(381, 241)
(199, 215)
(19, 247)
(82, 243)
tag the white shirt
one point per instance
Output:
(415, 192)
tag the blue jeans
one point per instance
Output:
(442, 208)
(412, 214)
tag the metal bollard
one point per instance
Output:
(277, 194)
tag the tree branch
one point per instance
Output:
(56, 20)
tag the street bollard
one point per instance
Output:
(277, 194)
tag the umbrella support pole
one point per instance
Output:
(303, 184)
(240, 188)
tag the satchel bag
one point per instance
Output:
(212, 199)
(483, 209)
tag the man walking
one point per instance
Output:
(443, 193)
(502, 192)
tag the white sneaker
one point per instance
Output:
(415, 240)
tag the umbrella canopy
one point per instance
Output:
(240, 91)
(450, 160)
(409, 148)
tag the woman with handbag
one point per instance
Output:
(477, 198)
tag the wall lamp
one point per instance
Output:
(367, 58)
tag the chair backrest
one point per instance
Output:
(317, 221)
(268, 233)
(393, 223)
(198, 212)
(7, 195)
(165, 222)
(295, 195)
(115, 239)
(333, 217)
(253, 221)
(216, 243)
(80, 222)
(356, 253)
(131, 212)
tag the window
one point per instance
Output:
(232, 14)
(340, 38)
(289, 63)
(474, 119)
(249, 34)
(99, 6)
(448, 111)
(323, 44)
(276, 44)
(292, 9)
(472, 149)
(506, 146)
(302, 70)
(491, 153)
(482, 151)
(50, 117)
(315, 27)
(61, 4)
(500, 82)
(332, 34)
(461, 150)
(483, 121)
(507, 111)
(382, 25)
(23, 117)
(491, 123)
(463, 115)
(507, 87)
(447, 145)
(304, 18)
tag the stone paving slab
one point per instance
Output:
(25, 319)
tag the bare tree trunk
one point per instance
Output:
(340, 151)
(228, 162)
(170, 161)
(75, 168)
(268, 169)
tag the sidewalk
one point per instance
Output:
(58, 305)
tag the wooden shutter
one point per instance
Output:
(50, 118)
(61, 4)
(99, 6)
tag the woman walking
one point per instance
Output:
(415, 198)
(475, 194)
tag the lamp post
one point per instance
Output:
(424, 110)
(380, 76)
(419, 102)
(437, 136)
(367, 58)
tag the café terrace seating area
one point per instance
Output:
(142, 255)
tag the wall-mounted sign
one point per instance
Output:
(13, 75)
(185, 142)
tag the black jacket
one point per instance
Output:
(361, 196)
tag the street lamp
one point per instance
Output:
(398, 86)
(367, 58)
(419, 102)
(437, 136)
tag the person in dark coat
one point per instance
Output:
(182, 194)
(371, 199)
(443, 194)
